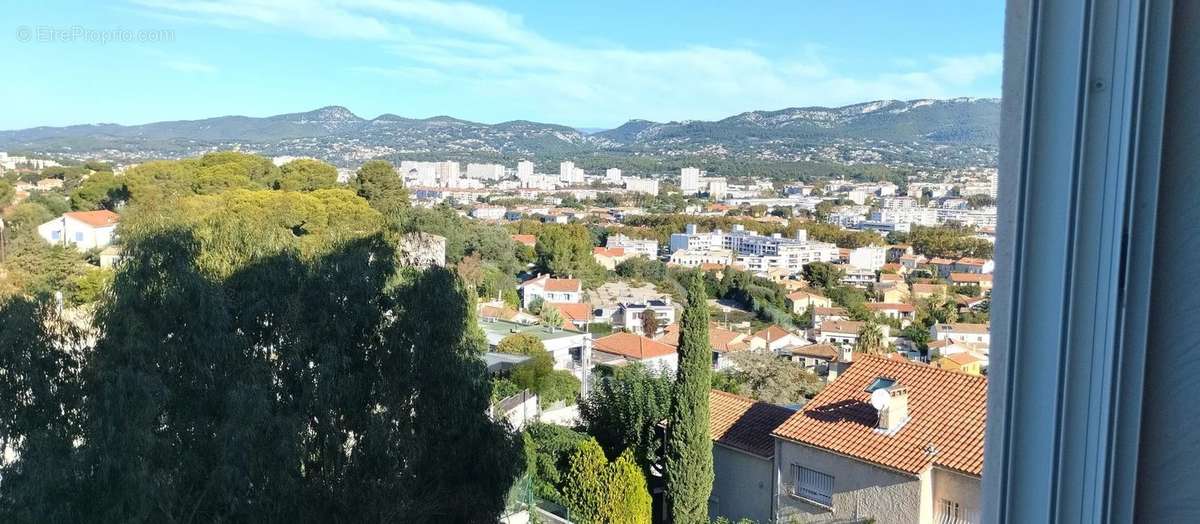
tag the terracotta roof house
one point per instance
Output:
(983, 280)
(845, 331)
(961, 362)
(609, 257)
(576, 315)
(920, 290)
(525, 240)
(823, 359)
(551, 290)
(889, 440)
(743, 455)
(620, 349)
(722, 341)
(822, 314)
(85, 230)
(776, 339)
(899, 311)
(802, 299)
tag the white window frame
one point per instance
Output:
(1085, 86)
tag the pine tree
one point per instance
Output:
(689, 469)
(629, 499)
(585, 488)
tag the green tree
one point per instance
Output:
(623, 411)
(765, 377)
(533, 372)
(689, 466)
(378, 182)
(628, 495)
(259, 358)
(823, 275)
(306, 174)
(101, 190)
(7, 192)
(566, 250)
(551, 317)
(649, 323)
(870, 340)
(586, 487)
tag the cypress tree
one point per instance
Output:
(689, 470)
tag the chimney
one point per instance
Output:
(896, 413)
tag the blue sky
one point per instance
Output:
(586, 64)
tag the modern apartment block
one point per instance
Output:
(757, 252)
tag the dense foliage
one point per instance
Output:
(259, 357)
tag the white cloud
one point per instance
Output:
(490, 54)
(184, 66)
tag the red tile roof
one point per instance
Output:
(962, 327)
(970, 277)
(102, 218)
(720, 339)
(965, 261)
(772, 333)
(883, 306)
(841, 326)
(822, 351)
(632, 346)
(800, 293)
(744, 424)
(575, 312)
(831, 311)
(609, 251)
(560, 285)
(528, 240)
(947, 411)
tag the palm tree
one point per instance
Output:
(870, 340)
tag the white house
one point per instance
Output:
(85, 230)
(961, 332)
(568, 290)
(628, 315)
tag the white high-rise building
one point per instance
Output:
(448, 173)
(566, 171)
(485, 171)
(689, 180)
(642, 185)
(757, 252)
(612, 175)
(524, 169)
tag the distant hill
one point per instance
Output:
(917, 132)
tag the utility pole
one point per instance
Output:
(2, 246)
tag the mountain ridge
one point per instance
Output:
(915, 132)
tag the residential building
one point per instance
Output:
(644, 247)
(920, 290)
(962, 332)
(801, 300)
(822, 314)
(977, 266)
(575, 315)
(824, 360)
(701, 257)
(485, 171)
(689, 180)
(981, 280)
(85, 230)
(857, 276)
(620, 349)
(609, 257)
(724, 343)
(111, 256)
(648, 186)
(899, 311)
(916, 456)
(524, 169)
(845, 332)
(551, 290)
(868, 257)
(488, 212)
(961, 362)
(571, 349)
(743, 456)
(778, 340)
(757, 252)
(612, 175)
(628, 315)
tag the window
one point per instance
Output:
(56, 235)
(79, 236)
(949, 513)
(812, 485)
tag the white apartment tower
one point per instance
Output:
(612, 175)
(689, 180)
(524, 169)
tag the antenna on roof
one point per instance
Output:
(880, 398)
